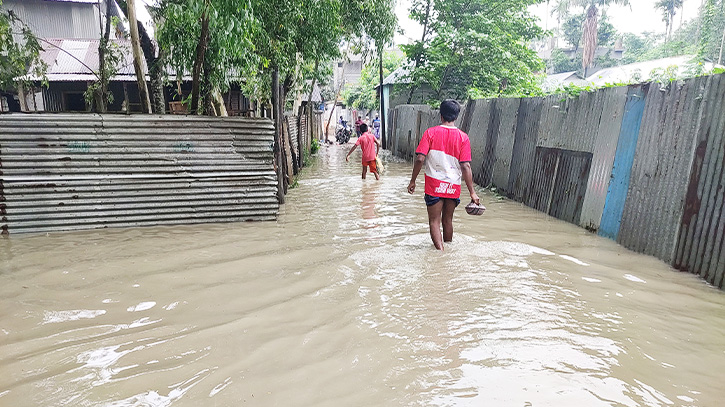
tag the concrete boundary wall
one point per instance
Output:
(643, 164)
(69, 172)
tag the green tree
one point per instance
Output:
(210, 39)
(669, 9)
(637, 45)
(19, 56)
(711, 38)
(560, 62)
(475, 45)
(572, 29)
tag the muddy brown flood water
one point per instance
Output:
(344, 302)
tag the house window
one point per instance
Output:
(74, 102)
(339, 64)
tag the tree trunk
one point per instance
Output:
(286, 87)
(277, 136)
(382, 99)
(422, 44)
(667, 29)
(156, 72)
(101, 96)
(137, 58)
(22, 99)
(590, 38)
(154, 64)
(207, 93)
(199, 62)
(219, 105)
(722, 44)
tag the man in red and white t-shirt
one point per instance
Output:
(446, 152)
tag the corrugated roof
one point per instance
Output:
(397, 76)
(644, 69)
(638, 71)
(73, 59)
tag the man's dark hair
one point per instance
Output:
(363, 128)
(450, 110)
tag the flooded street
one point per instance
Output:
(344, 302)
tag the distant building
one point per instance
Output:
(59, 18)
(347, 71)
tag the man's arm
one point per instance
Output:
(377, 145)
(417, 166)
(468, 177)
(347, 157)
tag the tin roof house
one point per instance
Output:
(70, 31)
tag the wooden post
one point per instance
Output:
(143, 91)
(382, 99)
(277, 135)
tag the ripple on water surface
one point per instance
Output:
(343, 302)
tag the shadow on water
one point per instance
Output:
(344, 302)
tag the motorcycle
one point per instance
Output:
(343, 134)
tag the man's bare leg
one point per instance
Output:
(377, 176)
(449, 206)
(365, 171)
(434, 221)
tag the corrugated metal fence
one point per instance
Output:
(644, 164)
(67, 172)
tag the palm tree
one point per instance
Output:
(591, 24)
(561, 10)
(669, 9)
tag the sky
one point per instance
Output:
(639, 17)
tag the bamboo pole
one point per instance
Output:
(143, 91)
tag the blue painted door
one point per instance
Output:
(623, 160)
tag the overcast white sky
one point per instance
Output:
(639, 17)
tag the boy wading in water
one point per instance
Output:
(446, 152)
(370, 147)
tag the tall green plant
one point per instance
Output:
(20, 60)
(475, 44)
(669, 9)
(210, 39)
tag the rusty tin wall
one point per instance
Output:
(603, 151)
(68, 172)
(408, 120)
(476, 124)
(524, 148)
(701, 239)
(304, 133)
(661, 168)
(665, 197)
(504, 117)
